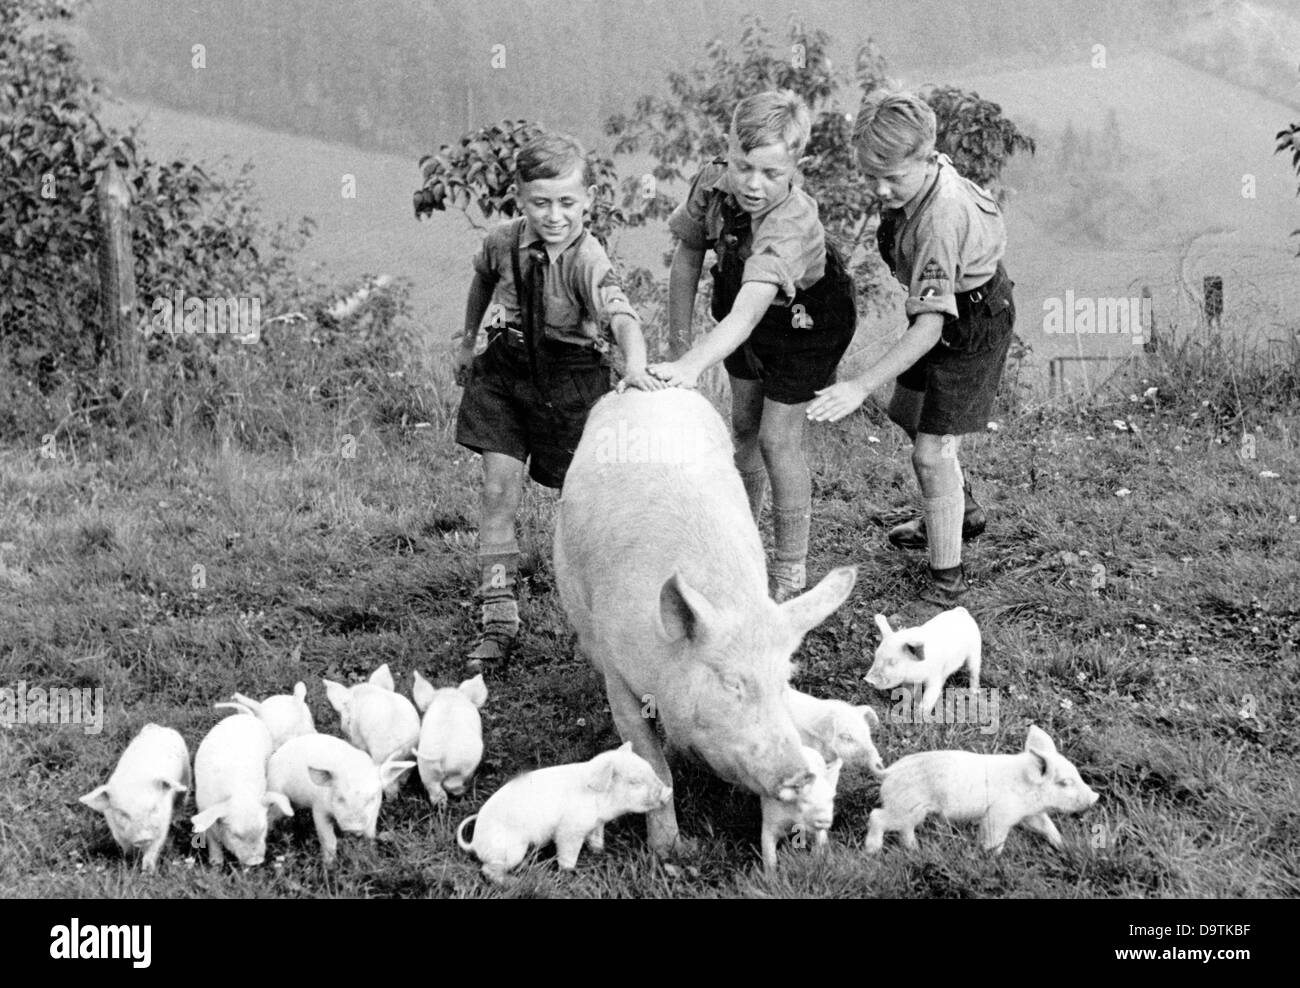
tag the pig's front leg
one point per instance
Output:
(329, 841)
(626, 706)
(993, 832)
(768, 843)
(596, 839)
(1042, 823)
(215, 856)
(933, 691)
(568, 845)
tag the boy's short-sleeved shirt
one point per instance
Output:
(787, 246)
(950, 242)
(583, 292)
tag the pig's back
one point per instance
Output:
(636, 519)
(286, 771)
(155, 751)
(960, 785)
(234, 751)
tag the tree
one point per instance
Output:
(1289, 139)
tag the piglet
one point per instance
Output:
(928, 654)
(285, 716)
(1000, 791)
(451, 736)
(138, 798)
(836, 729)
(337, 782)
(567, 804)
(377, 719)
(813, 811)
(230, 790)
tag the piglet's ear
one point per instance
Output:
(167, 785)
(338, 695)
(421, 692)
(475, 689)
(1039, 770)
(383, 678)
(97, 799)
(869, 715)
(601, 777)
(917, 649)
(882, 623)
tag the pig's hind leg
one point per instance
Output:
(626, 706)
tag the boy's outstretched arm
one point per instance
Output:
(837, 401)
(631, 342)
(751, 302)
(480, 296)
(683, 283)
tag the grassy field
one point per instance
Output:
(1171, 687)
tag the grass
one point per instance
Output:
(318, 565)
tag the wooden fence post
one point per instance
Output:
(116, 271)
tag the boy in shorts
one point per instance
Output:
(943, 238)
(784, 305)
(551, 297)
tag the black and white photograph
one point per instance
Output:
(694, 449)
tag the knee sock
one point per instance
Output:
(943, 519)
(498, 566)
(790, 525)
(755, 482)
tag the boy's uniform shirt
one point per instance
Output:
(950, 241)
(582, 291)
(784, 245)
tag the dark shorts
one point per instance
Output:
(959, 376)
(504, 411)
(792, 364)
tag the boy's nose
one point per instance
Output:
(882, 190)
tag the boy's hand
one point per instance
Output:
(676, 373)
(642, 380)
(837, 401)
(461, 363)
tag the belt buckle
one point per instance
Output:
(514, 336)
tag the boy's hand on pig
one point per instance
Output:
(837, 401)
(642, 380)
(676, 373)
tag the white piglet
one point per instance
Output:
(377, 719)
(285, 716)
(337, 782)
(812, 812)
(567, 804)
(927, 654)
(451, 735)
(836, 729)
(230, 790)
(138, 798)
(998, 791)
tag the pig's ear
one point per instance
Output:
(1039, 769)
(917, 648)
(383, 678)
(625, 748)
(601, 777)
(390, 770)
(170, 785)
(204, 819)
(337, 694)
(320, 776)
(1037, 741)
(684, 612)
(97, 799)
(882, 623)
(475, 689)
(279, 800)
(869, 715)
(421, 692)
(810, 609)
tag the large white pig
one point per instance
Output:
(138, 798)
(662, 574)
